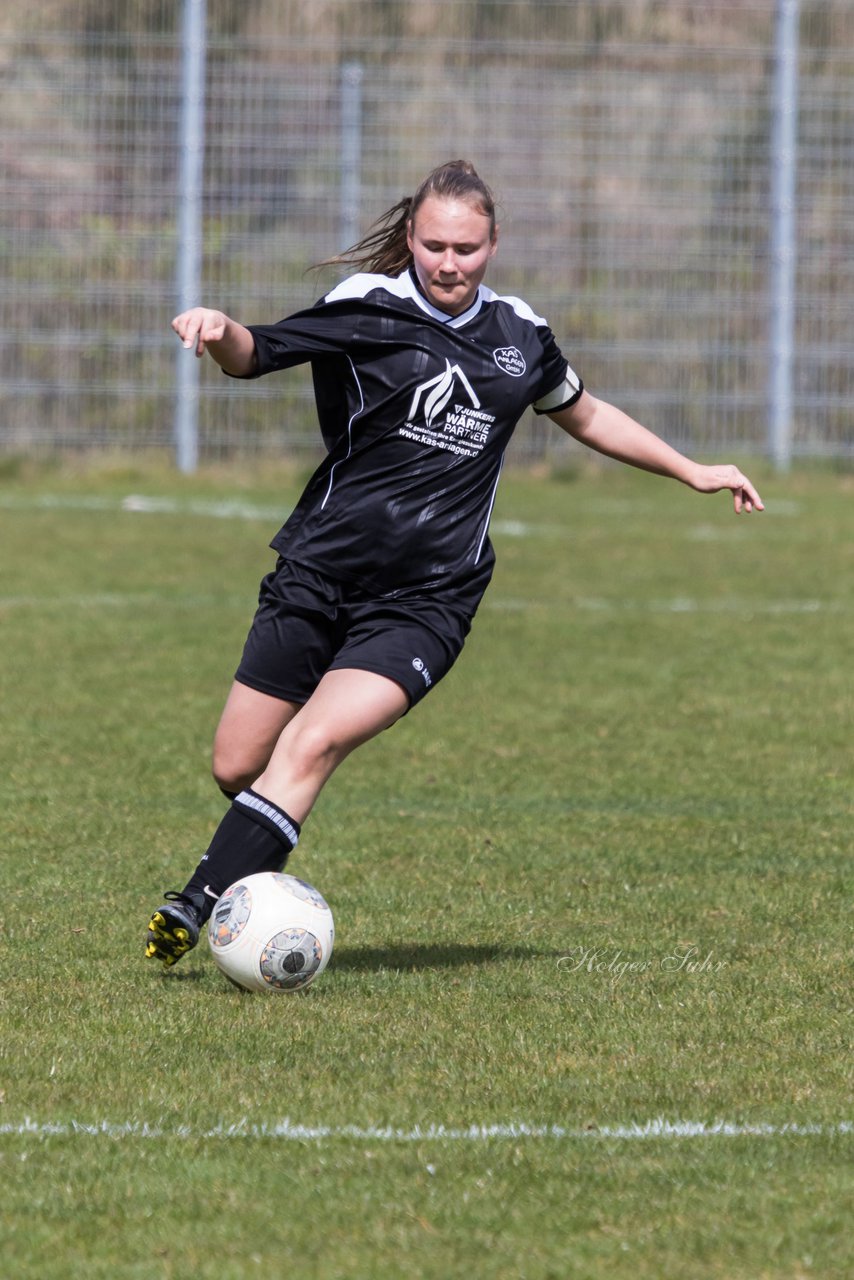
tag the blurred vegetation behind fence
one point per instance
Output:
(628, 142)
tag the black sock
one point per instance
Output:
(255, 835)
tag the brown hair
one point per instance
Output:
(384, 249)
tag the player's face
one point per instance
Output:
(451, 242)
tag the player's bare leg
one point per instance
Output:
(348, 708)
(249, 728)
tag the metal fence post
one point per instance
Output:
(352, 75)
(784, 164)
(188, 267)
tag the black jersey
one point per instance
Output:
(416, 408)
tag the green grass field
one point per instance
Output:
(589, 1008)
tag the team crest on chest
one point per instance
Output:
(510, 360)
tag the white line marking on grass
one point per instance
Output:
(126, 600)
(139, 504)
(523, 529)
(225, 509)
(50, 502)
(498, 604)
(288, 1131)
(678, 604)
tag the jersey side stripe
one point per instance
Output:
(349, 434)
(489, 511)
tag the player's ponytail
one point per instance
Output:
(384, 249)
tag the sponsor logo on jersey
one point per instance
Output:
(465, 427)
(510, 360)
(438, 391)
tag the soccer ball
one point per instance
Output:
(271, 932)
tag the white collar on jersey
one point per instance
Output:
(454, 322)
(404, 286)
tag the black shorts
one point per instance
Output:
(307, 624)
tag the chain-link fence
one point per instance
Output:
(629, 143)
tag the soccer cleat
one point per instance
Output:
(173, 929)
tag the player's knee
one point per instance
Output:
(314, 749)
(230, 782)
(232, 772)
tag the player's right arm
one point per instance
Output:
(229, 343)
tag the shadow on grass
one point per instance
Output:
(188, 973)
(407, 957)
(432, 956)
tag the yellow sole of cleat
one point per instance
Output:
(165, 944)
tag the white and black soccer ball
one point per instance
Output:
(271, 932)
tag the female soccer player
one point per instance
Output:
(420, 376)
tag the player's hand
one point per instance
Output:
(715, 478)
(199, 326)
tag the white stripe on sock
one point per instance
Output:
(250, 801)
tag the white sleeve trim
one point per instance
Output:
(564, 394)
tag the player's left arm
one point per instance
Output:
(603, 427)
